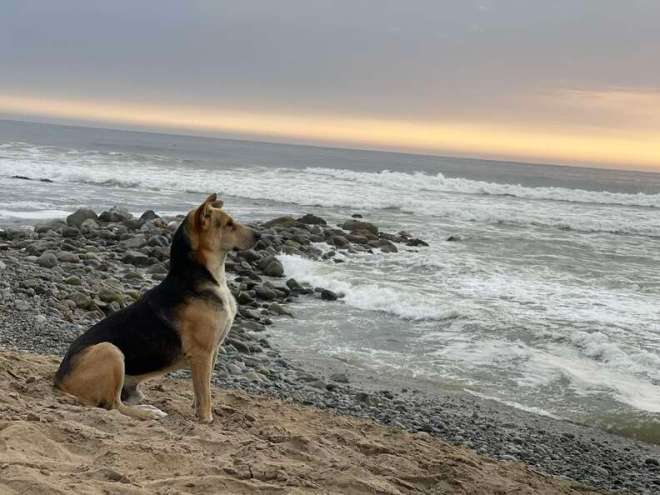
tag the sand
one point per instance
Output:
(50, 444)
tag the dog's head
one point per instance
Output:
(216, 231)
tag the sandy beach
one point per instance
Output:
(256, 445)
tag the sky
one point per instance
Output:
(568, 81)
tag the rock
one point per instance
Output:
(148, 215)
(116, 214)
(386, 246)
(265, 293)
(293, 284)
(328, 295)
(47, 260)
(77, 218)
(356, 215)
(22, 305)
(109, 295)
(271, 266)
(234, 369)
(73, 280)
(136, 258)
(339, 241)
(135, 242)
(454, 238)
(68, 257)
(417, 243)
(651, 462)
(244, 297)
(82, 300)
(2, 265)
(48, 226)
(254, 326)
(357, 225)
(70, 232)
(310, 219)
(280, 310)
(280, 221)
(89, 225)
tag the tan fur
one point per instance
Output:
(98, 378)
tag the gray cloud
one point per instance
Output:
(417, 59)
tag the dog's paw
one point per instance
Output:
(151, 412)
(205, 419)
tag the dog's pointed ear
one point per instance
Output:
(203, 213)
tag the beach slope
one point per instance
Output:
(50, 444)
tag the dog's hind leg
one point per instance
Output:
(97, 379)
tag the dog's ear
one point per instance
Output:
(203, 213)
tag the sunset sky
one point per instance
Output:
(568, 81)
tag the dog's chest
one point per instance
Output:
(227, 313)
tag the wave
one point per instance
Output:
(421, 182)
(399, 192)
(404, 304)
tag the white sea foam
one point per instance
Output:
(516, 405)
(434, 195)
(404, 304)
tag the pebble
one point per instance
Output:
(47, 260)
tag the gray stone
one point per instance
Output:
(328, 295)
(136, 258)
(271, 266)
(68, 257)
(280, 221)
(77, 218)
(70, 232)
(47, 260)
(82, 300)
(310, 219)
(135, 242)
(73, 280)
(22, 305)
(357, 225)
(148, 215)
(108, 295)
(116, 214)
(89, 225)
(48, 226)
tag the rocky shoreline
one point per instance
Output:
(62, 276)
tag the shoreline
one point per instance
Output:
(60, 278)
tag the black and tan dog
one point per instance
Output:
(179, 323)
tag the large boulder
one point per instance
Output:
(271, 266)
(358, 226)
(280, 222)
(116, 214)
(149, 215)
(77, 218)
(309, 219)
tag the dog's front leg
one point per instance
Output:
(201, 374)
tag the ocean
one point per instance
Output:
(548, 300)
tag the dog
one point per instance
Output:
(177, 324)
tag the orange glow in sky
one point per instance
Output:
(535, 142)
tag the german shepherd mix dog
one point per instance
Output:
(179, 323)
